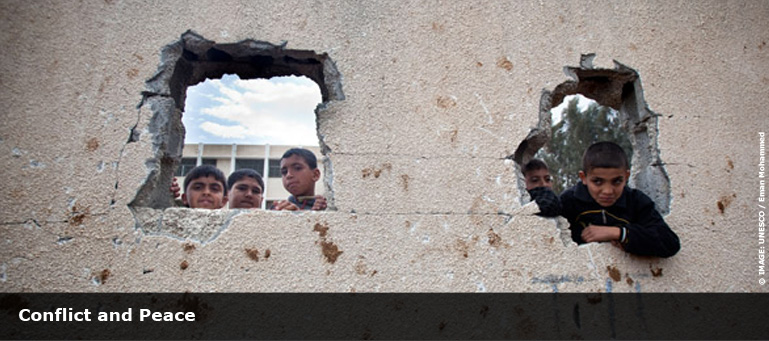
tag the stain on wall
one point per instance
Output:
(253, 254)
(329, 250)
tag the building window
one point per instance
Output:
(274, 169)
(255, 164)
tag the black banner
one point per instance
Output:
(383, 316)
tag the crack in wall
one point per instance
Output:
(191, 60)
(39, 223)
(133, 136)
(619, 88)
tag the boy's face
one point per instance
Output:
(298, 178)
(205, 192)
(605, 184)
(246, 193)
(538, 178)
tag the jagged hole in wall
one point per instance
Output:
(625, 119)
(187, 62)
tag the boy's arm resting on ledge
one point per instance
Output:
(548, 202)
(319, 204)
(284, 205)
(598, 233)
(649, 235)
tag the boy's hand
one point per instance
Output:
(320, 203)
(285, 205)
(175, 189)
(598, 233)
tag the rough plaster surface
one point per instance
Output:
(437, 95)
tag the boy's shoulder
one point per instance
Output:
(576, 192)
(569, 192)
(634, 198)
(575, 199)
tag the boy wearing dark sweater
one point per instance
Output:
(539, 184)
(601, 208)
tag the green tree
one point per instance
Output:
(574, 133)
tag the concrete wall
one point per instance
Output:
(438, 94)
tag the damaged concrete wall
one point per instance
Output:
(437, 95)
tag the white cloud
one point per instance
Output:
(277, 112)
(234, 132)
(582, 104)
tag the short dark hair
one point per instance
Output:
(533, 165)
(243, 173)
(604, 154)
(204, 171)
(305, 154)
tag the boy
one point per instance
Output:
(539, 184)
(299, 170)
(205, 187)
(601, 208)
(246, 187)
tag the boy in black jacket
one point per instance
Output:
(601, 208)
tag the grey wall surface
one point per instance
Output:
(437, 95)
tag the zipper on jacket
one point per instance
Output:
(603, 213)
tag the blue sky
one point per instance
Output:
(278, 111)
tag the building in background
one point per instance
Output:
(265, 159)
